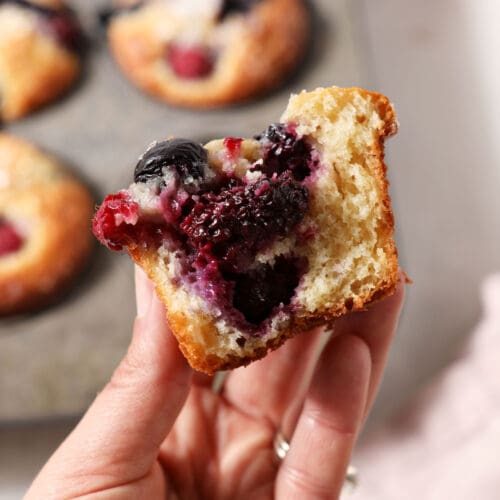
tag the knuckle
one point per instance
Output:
(315, 418)
(128, 371)
(304, 483)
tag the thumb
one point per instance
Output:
(119, 436)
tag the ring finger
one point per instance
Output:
(321, 447)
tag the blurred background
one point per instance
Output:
(437, 61)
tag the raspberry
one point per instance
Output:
(190, 61)
(233, 147)
(10, 240)
(114, 222)
(236, 223)
(117, 224)
(284, 151)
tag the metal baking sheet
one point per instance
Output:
(53, 363)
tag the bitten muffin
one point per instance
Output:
(45, 227)
(250, 241)
(205, 53)
(38, 54)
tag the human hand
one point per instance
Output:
(158, 430)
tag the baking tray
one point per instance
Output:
(53, 363)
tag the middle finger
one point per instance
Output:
(268, 387)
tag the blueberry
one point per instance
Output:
(188, 159)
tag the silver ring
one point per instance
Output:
(351, 480)
(282, 446)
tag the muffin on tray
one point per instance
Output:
(39, 60)
(45, 235)
(205, 53)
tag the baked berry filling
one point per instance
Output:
(257, 292)
(283, 152)
(218, 222)
(10, 240)
(61, 24)
(236, 223)
(190, 61)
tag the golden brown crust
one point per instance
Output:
(257, 52)
(52, 211)
(34, 68)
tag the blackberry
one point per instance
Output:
(236, 223)
(258, 292)
(284, 151)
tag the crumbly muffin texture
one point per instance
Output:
(250, 241)
(351, 204)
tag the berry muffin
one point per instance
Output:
(38, 54)
(250, 241)
(205, 53)
(45, 234)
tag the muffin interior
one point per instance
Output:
(233, 215)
